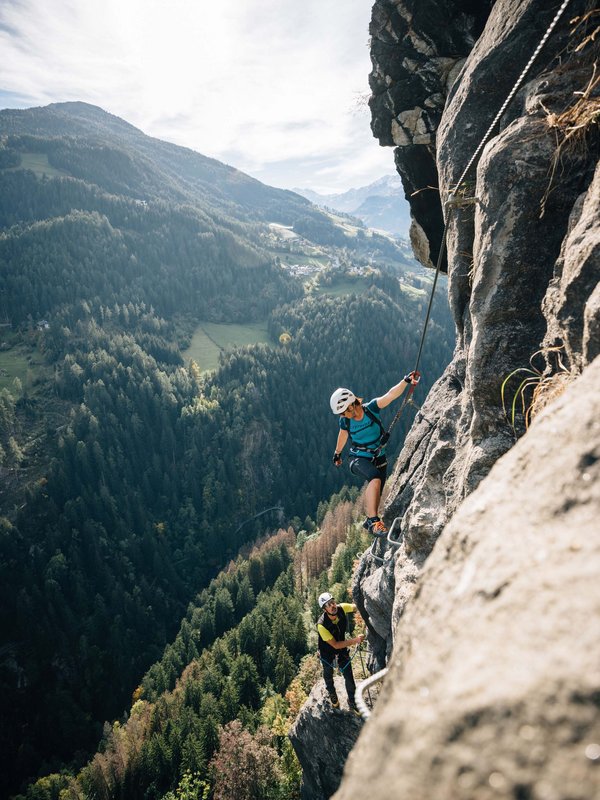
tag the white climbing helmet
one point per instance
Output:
(340, 400)
(324, 599)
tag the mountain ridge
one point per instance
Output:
(77, 137)
(380, 204)
(73, 119)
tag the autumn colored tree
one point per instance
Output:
(246, 765)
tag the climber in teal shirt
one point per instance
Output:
(360, 422)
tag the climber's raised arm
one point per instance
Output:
(395, 392)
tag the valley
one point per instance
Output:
(127, 471)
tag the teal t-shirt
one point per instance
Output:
(364, 434)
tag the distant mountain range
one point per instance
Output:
(380, 205)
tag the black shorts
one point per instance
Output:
(369, 468)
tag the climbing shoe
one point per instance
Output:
(354, 708)
(334, 700)
(376, 527)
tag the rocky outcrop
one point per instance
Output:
(571, 310)
(486, 610)
(494, 688)
(322, 738)
(417, 50)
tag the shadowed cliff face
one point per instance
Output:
(417, 50)
(322, 738)
(491, 692)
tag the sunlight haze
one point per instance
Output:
(276, 89)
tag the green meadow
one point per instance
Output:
(13, 364)
(300, 258)
(342, 287)
(38, 163)
(413, 291)
(212, 338)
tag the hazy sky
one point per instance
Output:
(276, 88)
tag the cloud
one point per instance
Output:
(271, 83)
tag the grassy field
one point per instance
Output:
(413, 291)
(300, 258)
(284, 231)
(38, 163)
(360, 286)
(13, 364)
(343, 287)
(211, 338)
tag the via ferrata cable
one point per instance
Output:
(449, 203)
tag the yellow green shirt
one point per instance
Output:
(348, 608)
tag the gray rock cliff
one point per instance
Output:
(487, 610)
(322, 738)
(494, 684)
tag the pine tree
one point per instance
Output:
(285, 669)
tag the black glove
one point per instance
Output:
(337, 459)
(412, 378)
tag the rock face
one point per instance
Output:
(322, 738)
(570, 309)
(488, 605)
(523, 261)
(494, 687)
(417, 49)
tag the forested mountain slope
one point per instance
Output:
(211, 716)
(85, 142)
(77, 142)
(128, 478)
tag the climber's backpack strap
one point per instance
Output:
(383, 434)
